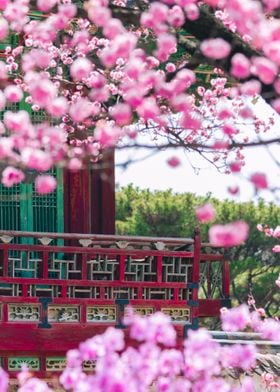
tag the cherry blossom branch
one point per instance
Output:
(196, 146)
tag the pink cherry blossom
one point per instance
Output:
(205, 213)
(57, 107)
(80, 69)
(271, 50)
(148, 109)
(240, 66)
(80, 110)
(46, 6)
(100, 16)
(267, 377)
(121, 113)
(3, 4)
(276, 232)
(4, 380)
(198, 362)
(276, 105)
(176, 17)
(259, 180)
(241, 356)
(232, 234)
(106, 134)
(4, 29)
(215, 48)
(74, 164)
(34, 384)
(251, 88)
(235, 319)
(233, 190)
(173, 162)
(13, 93)
(45, 184)
(166, 45)
(236, 166)
(229, 129)
(192, 11)
(265, 69)
(269, 329)
(36, 159)
(276, 249)
(170, 67)
(42, 91)
(113, 28)
(12, 176)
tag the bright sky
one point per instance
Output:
(154, 173)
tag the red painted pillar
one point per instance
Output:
(76, 202)
(103, 195)
(89, 198)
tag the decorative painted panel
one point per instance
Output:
(63, 314)
(178, 315)
(16, 363)
(142, 310)
(23, 312)
(55, 364)
(58, 364)
(101, 313)
(89, 366)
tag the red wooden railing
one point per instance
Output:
(59, 289)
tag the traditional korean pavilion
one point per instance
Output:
(65, 275)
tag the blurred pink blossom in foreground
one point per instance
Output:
(232, 234)
(155, 359)
(45, 184)
(205, 213)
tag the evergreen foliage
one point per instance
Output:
(254, 267)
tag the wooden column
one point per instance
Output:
(76, 202)
(103, 196)
(89, 198)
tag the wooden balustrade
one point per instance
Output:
(59, 289)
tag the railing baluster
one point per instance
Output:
(45, 264)
(84, 266)
(5, 258)
(195, 278)
(121, 267)
(208, 278)
(226, 279)
(159, 268)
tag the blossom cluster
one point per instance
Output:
(94, 76)
(155, 359)
(270, 232)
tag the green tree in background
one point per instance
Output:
(254, 267)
